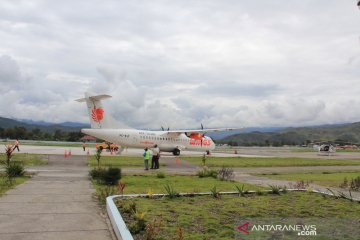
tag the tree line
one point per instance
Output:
(37, 134)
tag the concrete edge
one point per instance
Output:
(123, 233)
(117, 222)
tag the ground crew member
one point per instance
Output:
(155, 158)
(16, 145)
(84, 146)
(146, 158)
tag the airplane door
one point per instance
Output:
(134, 140)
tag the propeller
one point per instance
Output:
(162, 128)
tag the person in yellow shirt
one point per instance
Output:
(146, 158)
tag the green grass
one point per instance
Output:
(327, 179)
(4, 186)
(144, 183)
(205, 217)
(268, 162)
(25, 158)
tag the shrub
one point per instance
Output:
(152, 230)
(241, 190)
(14, 170)
(301, 184)
(226, 174)
(345, 183)
(110, 176)
(104, 192)
(97, 173)
(206, 172)
(171, 191)
(215, 193)
(275, 189)
(121, 187)
(132, 207)
(160, 175)
(355, 184)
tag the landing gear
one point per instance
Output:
(176, 152)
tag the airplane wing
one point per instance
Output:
(198, 131)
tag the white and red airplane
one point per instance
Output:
(168, 141)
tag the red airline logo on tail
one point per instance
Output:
(97, 114)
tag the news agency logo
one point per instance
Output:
(244, 228)
(302, 230)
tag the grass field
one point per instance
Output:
(208, 218)
(268, 162)
(26, 159)
(127, 161)
(191, 184)
(330, 179)
(4, 186)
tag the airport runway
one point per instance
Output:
(263, 152)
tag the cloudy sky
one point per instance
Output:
(181, 63)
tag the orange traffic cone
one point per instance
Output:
(177, 160)
(65, 154)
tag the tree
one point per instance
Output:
(58, 135)
(36, 134)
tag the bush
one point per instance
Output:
(110, 176)
(226, 174)
(14, 170)
(214, 192)
(97, 173)
(206, 172)
(160, 175)
(355, 184)
(275, 189)
(104, 192)
(171, 191)
(241, 190)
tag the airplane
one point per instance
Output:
(167, 140)
(326, 149)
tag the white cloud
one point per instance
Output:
(229, 63)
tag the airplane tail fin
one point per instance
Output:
(97, 115)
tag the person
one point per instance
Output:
(156, 156)
(84, 146)
(146, 158)
(16, 145)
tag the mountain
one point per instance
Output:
(338, 133)
(221, 135)
(43, 126)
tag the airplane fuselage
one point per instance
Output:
(166, 141)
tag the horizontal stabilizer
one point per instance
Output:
(94, 98)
